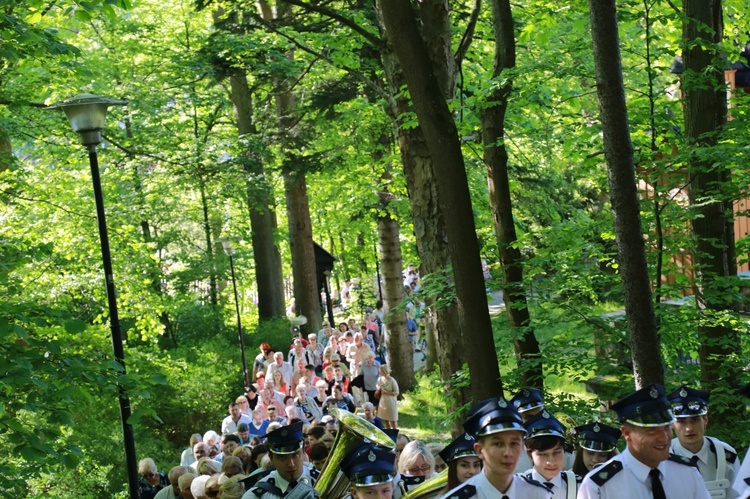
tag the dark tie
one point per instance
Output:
(549, 485)
(694, 460)
(293, 484)
(506, 497)
(656, 486)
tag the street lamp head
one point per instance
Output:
(87, 114)
(227, 246)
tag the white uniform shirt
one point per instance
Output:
(707, 460)
(559, 485)
(519, 489)
(281, 483)
(632, 481)
(741, 485)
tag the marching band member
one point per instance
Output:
(716, 460)
(545, 445)
(645, 470)
(498, 430)
(291, 478)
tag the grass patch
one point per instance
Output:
(423, 414)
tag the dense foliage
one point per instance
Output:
(174, 184)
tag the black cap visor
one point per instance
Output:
(367, 480)
(500, 426)
(596, 445)
(289, 448)
(653, 419)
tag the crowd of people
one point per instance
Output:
(510, 449)
(278, 436)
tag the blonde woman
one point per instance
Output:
(388, 406)
(151, 480)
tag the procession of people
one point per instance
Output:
(291, 436)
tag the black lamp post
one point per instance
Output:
(230, 253)
(87, 114)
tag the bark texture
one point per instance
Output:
(398, 347)
(268, 273)
(444, 147)
(705, 107)
(618, 151)
(528, 355)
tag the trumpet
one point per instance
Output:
(332, 483)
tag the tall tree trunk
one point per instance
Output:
(442, 140)
(306, 292)
(268, 274)
(705, 109)
(429, 230)
(398, 348)
(525, 343)
(618, 151)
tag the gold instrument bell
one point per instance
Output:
(332, 483)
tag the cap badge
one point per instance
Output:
(654, 393)
(639, 409)
(683, 393)
(284, 433)
(467, 437)
(372, 457)
(596, 428)
(546, 415)
(526, 393)
(502, 403)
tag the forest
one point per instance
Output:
(592, 153)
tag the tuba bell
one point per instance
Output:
(332, 483)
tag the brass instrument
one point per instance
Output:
(430, 488)
(332, 483)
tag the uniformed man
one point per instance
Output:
(529, 402)
(716, 460)
(291, 478)
(545, 446)
(498, 430)
(369, 468)
(645, 469)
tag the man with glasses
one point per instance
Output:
(291, 477)
(273, 417)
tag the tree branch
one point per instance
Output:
(468, 35)
(10, 193)
(375, 41)
(319, 55)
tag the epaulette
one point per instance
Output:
(314, 473)
(411, 481)
(531, 481)
(606, 472)
(463, 492)
(729, 451)
(682, 460)
(253, 478)
(267, 486)
(579, 478)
